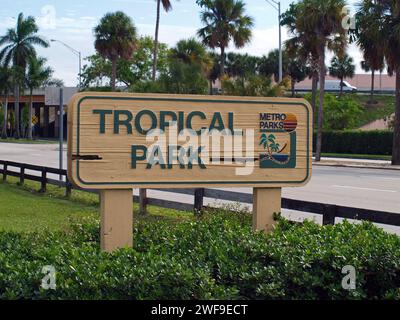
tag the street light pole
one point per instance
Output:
(80, 70)
(277, 6)
(61, 106)
(76, 52)
(280, 44)
(61, 130)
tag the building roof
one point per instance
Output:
(50, 96)
(361, 81)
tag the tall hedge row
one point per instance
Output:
(377, 142)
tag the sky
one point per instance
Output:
(73, 21)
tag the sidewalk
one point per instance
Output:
(356, 163)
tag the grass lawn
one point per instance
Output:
(384, 107)
(357, 156)
(23, 209)
(26, 141)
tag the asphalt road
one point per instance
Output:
(376, 189)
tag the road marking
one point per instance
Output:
(360, 188)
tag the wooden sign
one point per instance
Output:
(117, 142)
(110, 143)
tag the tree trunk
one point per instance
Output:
(396, 133)
(211, 87)
(4, 129)
(155, 52)
(314, 93)
(341, 87)
(372, 85)
(30, 115)
(16, 113)
(293, 84)
(222, 62)
(113, 74)
(321, 102)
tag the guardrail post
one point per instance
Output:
(142, 201)
(68, 188)
(198, 200)
(4, 171)
(328, 217)
(22, 175)
(43, 181)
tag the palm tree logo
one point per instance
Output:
(283, 154)
(269, 143)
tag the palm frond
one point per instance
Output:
(36, 40)
(166, 5)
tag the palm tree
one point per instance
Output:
(297, 71)
(342, 67)
(19, 48)
(167, 7)
(214, 72)
(191, 51)
(302, 45)
(115, 40)
(369, 39)
(264, 142)
(38, 75)
(390, 32)
(297, 65)
(6, 84)
(269, 65)
(269, 143)
(367, 68)
(241, 65)
(225, 21)
(323, 21)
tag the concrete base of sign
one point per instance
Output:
(266, 202)
(116, 208)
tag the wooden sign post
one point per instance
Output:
(266, 203)
(117, 142)
(116, 219)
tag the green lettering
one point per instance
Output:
(189, 118)
(217, 118)
(181, 121)
(102, 114)
(138, 119)
(118, 122)
(134, 155)
(230, 122)
(156, 157)
(163, 122)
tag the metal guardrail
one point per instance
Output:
(328, 211)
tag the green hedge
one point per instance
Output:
(213, 257)
(377, 142)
